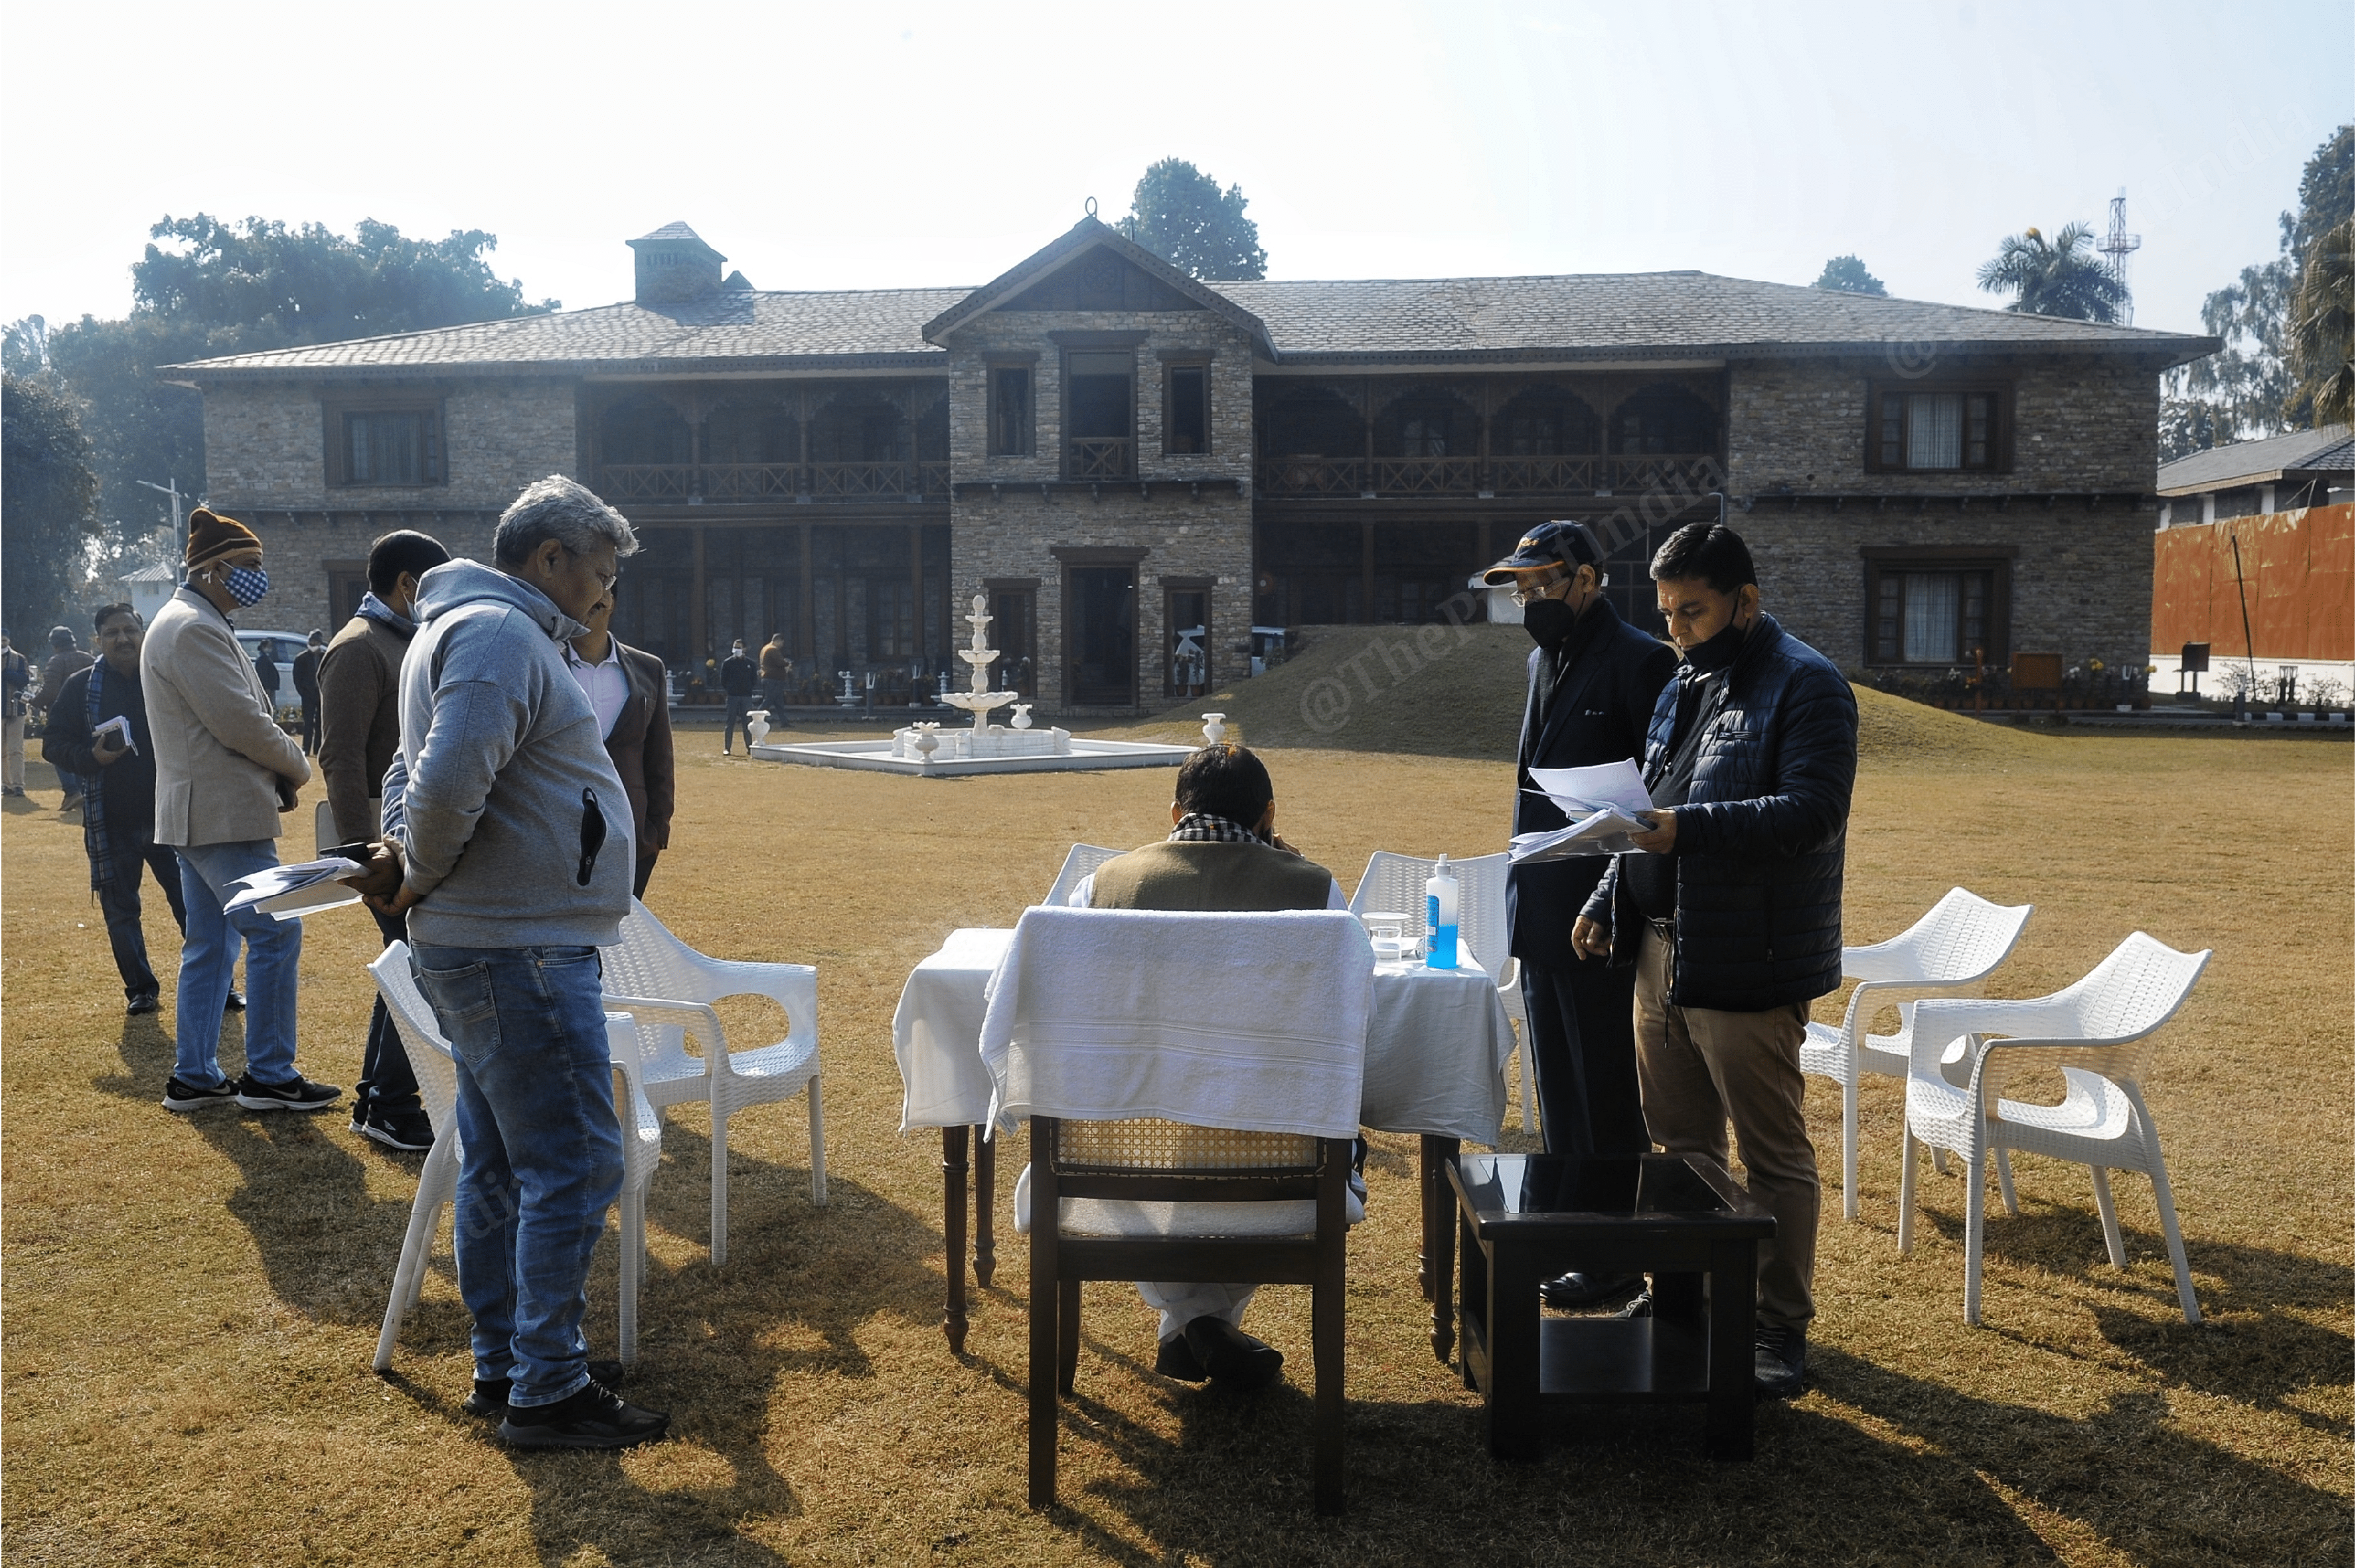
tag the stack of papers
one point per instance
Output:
(1605, 804)
(290, 892)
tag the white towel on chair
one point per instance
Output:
(1256, 1022)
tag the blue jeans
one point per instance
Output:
(543, 1152)
(209, 946)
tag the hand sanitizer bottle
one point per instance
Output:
(1440, 915)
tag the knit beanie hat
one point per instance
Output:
(211, 536)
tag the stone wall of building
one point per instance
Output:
(2079, 422)
(2081, 581)
(1014, 533)
(265, 446)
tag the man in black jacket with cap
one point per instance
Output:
(1594, 678)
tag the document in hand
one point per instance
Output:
(290, 892)
(1603, 804)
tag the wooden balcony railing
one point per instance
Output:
(1098, 458)
(1678, 473)
(733, 483)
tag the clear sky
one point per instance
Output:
(883, 144)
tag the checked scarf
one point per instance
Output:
(94, 838)
(1201, 827)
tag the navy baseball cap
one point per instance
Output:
(1562, 543)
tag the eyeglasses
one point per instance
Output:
(1525, 591)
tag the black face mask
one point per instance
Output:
(1715, 654)
(1549, 622)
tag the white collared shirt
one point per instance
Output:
(603, 684)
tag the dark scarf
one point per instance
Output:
(1201, 827)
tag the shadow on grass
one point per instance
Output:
(2252, 1347)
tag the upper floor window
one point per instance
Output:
(1927, 606)
(386, 446)
(1010, 411)
(1938, 431)
(1187, 410)
(1100, 414)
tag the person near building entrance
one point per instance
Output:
(1222, 854)
(16, 679)
(98, 727)
(507, 845)
(306, 688)
(776, 674)
(265, 668)
(1592, 682)
(66, 659)
(736, 674)
(360, 732)
(1731, 909)
(224, 774)
(628, 687)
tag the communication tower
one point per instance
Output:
(2118, 245)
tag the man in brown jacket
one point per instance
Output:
(1222, 854)
(359, 731)
(224, 772)
(630, 691)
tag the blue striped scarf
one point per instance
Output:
(95, 837)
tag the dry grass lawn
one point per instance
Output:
(191, 1303)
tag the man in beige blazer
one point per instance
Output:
(224, 772)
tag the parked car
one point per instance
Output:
(290, 643)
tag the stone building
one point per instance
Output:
(1130, 463)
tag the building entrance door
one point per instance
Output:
(1100, 635)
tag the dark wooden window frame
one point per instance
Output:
(1068, 556)
(1027, 443)
(1171, 587)
(342, 575)
(1174, 360)
(2000, 419)
(1078, 342)
(1026, 588)
(1995, 560)
(335, 438)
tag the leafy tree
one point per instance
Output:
(2280, 369)
(2063, 276)
(2190, 424)
(1180, 214)
(47, 486)
(215, 288)
(1847, 275)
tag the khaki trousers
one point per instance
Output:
(1699, 1069)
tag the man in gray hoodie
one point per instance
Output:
(508, 847)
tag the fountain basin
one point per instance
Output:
(1078, 756)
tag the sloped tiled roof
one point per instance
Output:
(1603, 317)
(735, 330)
(2256, 462)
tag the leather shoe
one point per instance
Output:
(141, 1005)
(1579, 1289)
(1176, 1360)
(1231, 1357)
(235, 1003)
(1779, 1359)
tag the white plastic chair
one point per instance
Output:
(1958, 943)
(1393, 884)
(438, 1085)
(1082, 862)
(2098, 1031)
(668, 988)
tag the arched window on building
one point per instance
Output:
(1544, 422)
(1663, 418)
(1427, 439)
(644, 450)
(1313, 442)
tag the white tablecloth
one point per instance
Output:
(1435, 1052)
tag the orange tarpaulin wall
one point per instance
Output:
(2298, 569)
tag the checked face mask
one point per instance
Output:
(246, 585)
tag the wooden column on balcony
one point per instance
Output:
(1367, 573)
(698, 627)
(805, 622)
(916, 585)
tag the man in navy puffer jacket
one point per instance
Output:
(1732, 912)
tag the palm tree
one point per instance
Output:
(2321, 328)
(2061, 277)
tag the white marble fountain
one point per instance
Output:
(1019, 748)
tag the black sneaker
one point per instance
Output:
(179, 1096)
(395, 1129)
(1231, 1357)
(298, 1095)
(490, 1395)
(596, 1417)
(140, 1004)
(1779, 1359)
(234, 1002)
